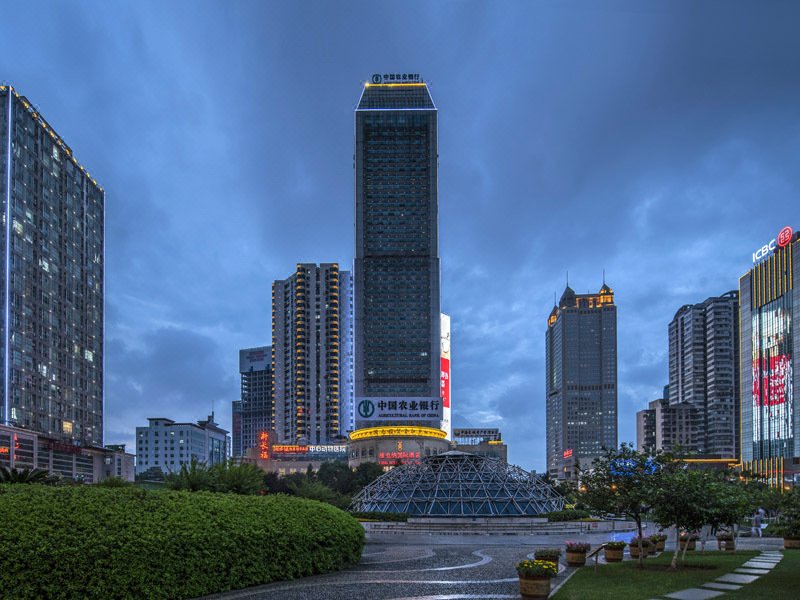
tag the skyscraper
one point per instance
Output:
(52, 281)
(581, 363)
(397, 327)
(703, 374)
(770, 341)
(306, 354)
(254, 412)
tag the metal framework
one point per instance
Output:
(458, 484)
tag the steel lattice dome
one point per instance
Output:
(458, 484)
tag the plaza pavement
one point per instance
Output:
(435, 568)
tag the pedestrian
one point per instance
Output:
(758, 517)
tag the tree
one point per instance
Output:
(337, 475)
(243, 478)
(365, 473)
(8, 475)
(193, 478)
(624, 481)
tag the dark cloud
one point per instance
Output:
(658, 141)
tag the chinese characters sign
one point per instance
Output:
(263, 445)
(399, 409)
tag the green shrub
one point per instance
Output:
(567, 515)
(99, 543)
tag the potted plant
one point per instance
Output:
(688, 541)
(534, 577)
(548, 554)
(634, 547)
(576, 553)
(658, 540)
(614, 551)
(726, 541)
(791, 535)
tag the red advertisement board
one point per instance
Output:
(775, 372)
(446, 382)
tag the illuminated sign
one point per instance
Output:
(310, 449)
(784, 238)
(445, 374)
(4, 450)
(399, 455)
(772, 371)
(378, 78)
(568, 453)
(400, 431)
(399, 409)
(263, 445)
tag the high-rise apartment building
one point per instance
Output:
(51, 329)
(397, 305)
(346, 357)
(254, 412)
(581, 363)
(306, 354)
(770, 341)
(703, 374)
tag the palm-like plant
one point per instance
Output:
(8, 475)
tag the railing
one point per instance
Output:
(596, 554)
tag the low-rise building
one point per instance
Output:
(166, 445)
(25, 449)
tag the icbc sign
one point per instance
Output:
(784, 238)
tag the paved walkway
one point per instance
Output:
(469, 569)
(736, 580)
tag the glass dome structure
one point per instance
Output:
(458, 484)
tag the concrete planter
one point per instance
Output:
(534, 587)
(576, 559)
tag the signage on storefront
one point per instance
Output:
(399, 409)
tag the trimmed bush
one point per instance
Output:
(99, 543)
(567, 515)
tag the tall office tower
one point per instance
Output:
(306, 354)
(770, 340)
(397, 330)
(254, 412)
(346, 357)
(703, 374)
(581, 362)
(52, 281)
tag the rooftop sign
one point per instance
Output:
(783, 239)
(378, 78)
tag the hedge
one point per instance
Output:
(95, 543)
(567, 515)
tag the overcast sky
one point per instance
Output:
(659, 141)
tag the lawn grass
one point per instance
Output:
(626, 581)
(782, 582)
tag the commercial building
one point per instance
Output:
(704, 377)
(481, 441)
(307, 312)
(284, 459)
(166, 445)
(52, 281)
(255, 411)
(397, 296)
(581, 364)
(392, 446)
(668, 427)
(770, 341)
(26, 449)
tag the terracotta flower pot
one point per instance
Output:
(534, 587)
(660, 545)
(614, 554)
(791, 543)
(692, 544)
(634, 550)
(576, 559)
(730, 545)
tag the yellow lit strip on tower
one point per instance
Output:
(397, 431)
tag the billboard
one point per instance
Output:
(445, 376)
(773, 376)
(255, 359)
(398, 409)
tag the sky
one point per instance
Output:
(658, 141)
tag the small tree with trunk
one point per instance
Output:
(624, 481)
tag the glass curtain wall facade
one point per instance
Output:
(581, 363)
(770, 341)
(51, 281)
(397, 305)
